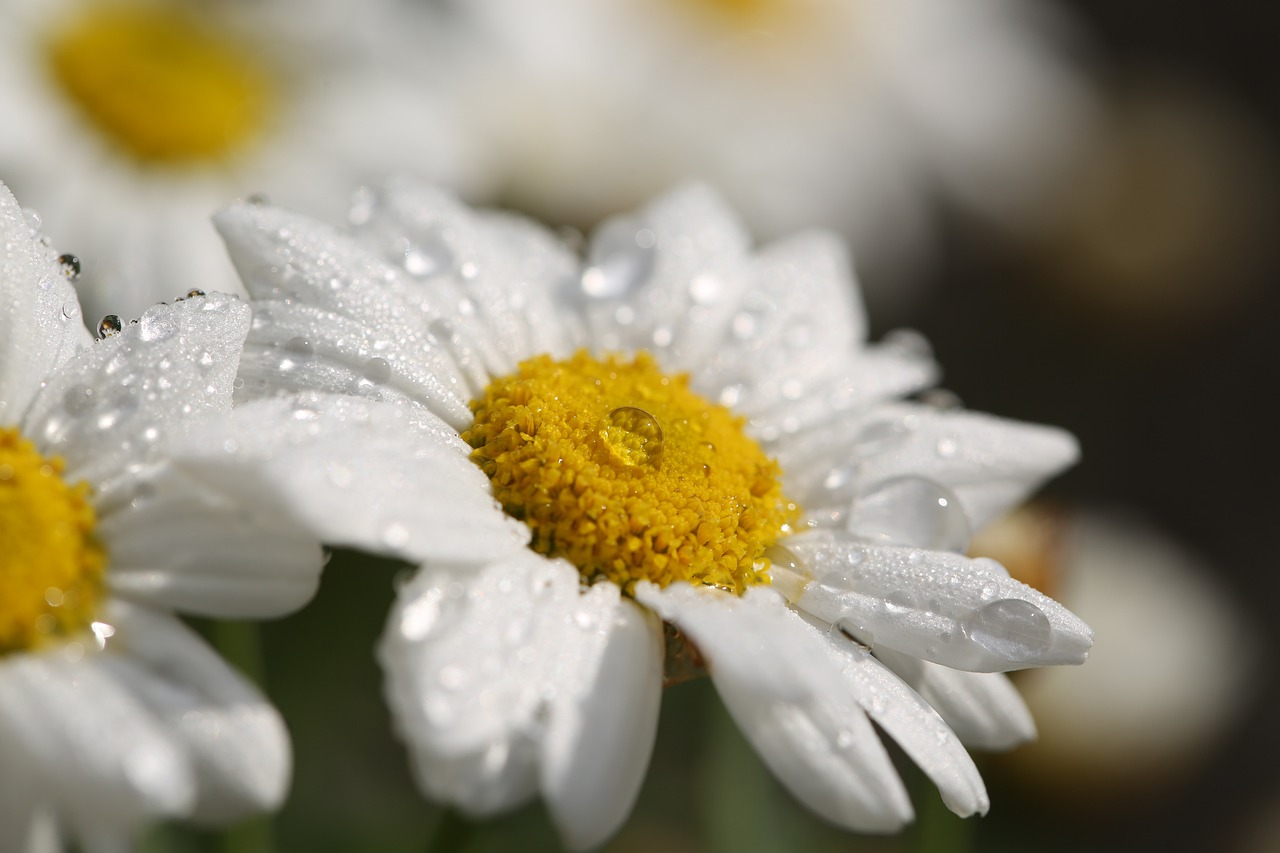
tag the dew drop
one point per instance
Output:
(633, 436)
(705, 288)
(946, 448)
(70, 265)
(299, 345)
(194, 292)
(1011, 628)
(78, 399)
(70, 309)
(157, 324)
(429, 256)
(621, 258)
(784, 558)
(377, 369)
(911, 510)
(108, 326)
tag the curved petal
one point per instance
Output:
(984, 709)
(40, 323)
(602, 727)
(235, 740)
(90, 746)
(966, 614)
(792, 701)
(387, 478)
(112, 405)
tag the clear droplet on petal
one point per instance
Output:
(911, 510)
(620, 260)
(157, 324)
(1010, 627)
(428, 256)
(108, 326)
(633, 436)
(78, 399)
(70, 265)
(194, 292)
(377, 369)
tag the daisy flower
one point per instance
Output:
(804, 112)
(113, 712)
(707, 466)
(130, 121)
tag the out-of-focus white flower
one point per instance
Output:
(111, 711)
(850, 115)
(1131, 722)
(128, 122)
(651, 497)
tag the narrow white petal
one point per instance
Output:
(90, 747)
(40, 323)
(984, 709)
(990, 463)
(470, 666)
(26, 823)
(185, 542)
(966, 614)
(792, 701)
(603, 722)
(113, 404)
(235, 740)
(387, 478)
(917, 727)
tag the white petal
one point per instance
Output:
(792, 701)
(916, 727)
(990, 463)
(26, 824)
(88, 745)
(966, 614)
(511, 268)
(386, 478)
(40, 324)
(187, 542)
(603, 722)
(235, 739)
(111, 405)
(984, 709)
(282, 255)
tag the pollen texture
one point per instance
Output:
(51, 566)
(628, 474)
(159, 82)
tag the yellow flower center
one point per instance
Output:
(159, 82)
(629, 475)
(50, 563)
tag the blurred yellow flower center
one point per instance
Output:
(628, 474)
(51, 564)
(158, 82)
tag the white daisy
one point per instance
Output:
(805, 112)
(111, 711)
(530, 659)
(128, 122)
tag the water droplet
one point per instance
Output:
(620, 259)
(70, 266)
(705, 288)
(584, 620)
(946, 448)
(633, 436)
(157, 324)
(899, 602)
(879, 435)
(429, 256)
(258, 200)
(1011, 628)
(299, 345)
(108, 326)
(194, 292)
(911, 510)
(70, 309)
(377, 369)
(364, 203)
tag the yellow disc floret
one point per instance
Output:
(158, 82)
(51, 564)
(628, 474)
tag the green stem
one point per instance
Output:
(936, 829)
(452, 833)
(240, 645)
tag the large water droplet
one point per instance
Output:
(377, 369)
(633, 436)
(108, 326)
(1014, 629)
(621, 258)
(70, 265)
(913, 511)
(428, 256)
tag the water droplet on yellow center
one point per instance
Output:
(51, 565)
(161, 83)
(628, 474)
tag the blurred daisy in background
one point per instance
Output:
(128, 122)
(112, 712)
(856, 116)
(797, 528)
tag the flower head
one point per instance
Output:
(676, 430)
(111, 711)
(130, 121)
